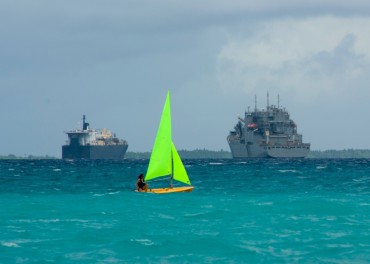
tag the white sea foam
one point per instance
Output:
(145, 242)
(336, 234)
(283, 171)
(104, 194)
(336, 246)
(114, 192)
(215, 163)
(196, 214)
(56, 169)
(207, 206)
(10, 244)
(50, 220)
(19, 242)
(265, 203)
(361, 179)
(16, 229)
(163, 216)
(79, 256)
(98, 225)
(38, 220)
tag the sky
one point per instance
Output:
(115, 60)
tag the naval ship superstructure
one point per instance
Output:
(88, 143)
(267, 133)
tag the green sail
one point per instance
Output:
(179, 172)
(160, 163)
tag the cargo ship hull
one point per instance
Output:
(94, 152)
(88, 143)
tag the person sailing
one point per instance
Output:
(141, 185)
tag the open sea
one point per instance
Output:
(255, 211)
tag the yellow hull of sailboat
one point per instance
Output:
(171, 190)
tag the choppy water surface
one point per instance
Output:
(258, 211)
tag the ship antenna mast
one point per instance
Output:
(255, 103)
(268, 103)
(83, 122)
(278, 101)
(85, 125)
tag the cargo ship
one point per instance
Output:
(88, 143)
(267, 133)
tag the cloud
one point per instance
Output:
(307, 58)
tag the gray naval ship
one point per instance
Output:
(267, 133)
(87, 143)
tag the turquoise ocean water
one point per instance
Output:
(258, 211)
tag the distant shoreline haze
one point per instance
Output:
(223, 154)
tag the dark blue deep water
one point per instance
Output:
(258, 211)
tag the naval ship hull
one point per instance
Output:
(288, 152)
(267, 133)
(241, 151)
(114, 152)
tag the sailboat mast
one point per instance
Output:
(172, 167)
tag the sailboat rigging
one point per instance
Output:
(164, 159)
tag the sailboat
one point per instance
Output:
(165, 160)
